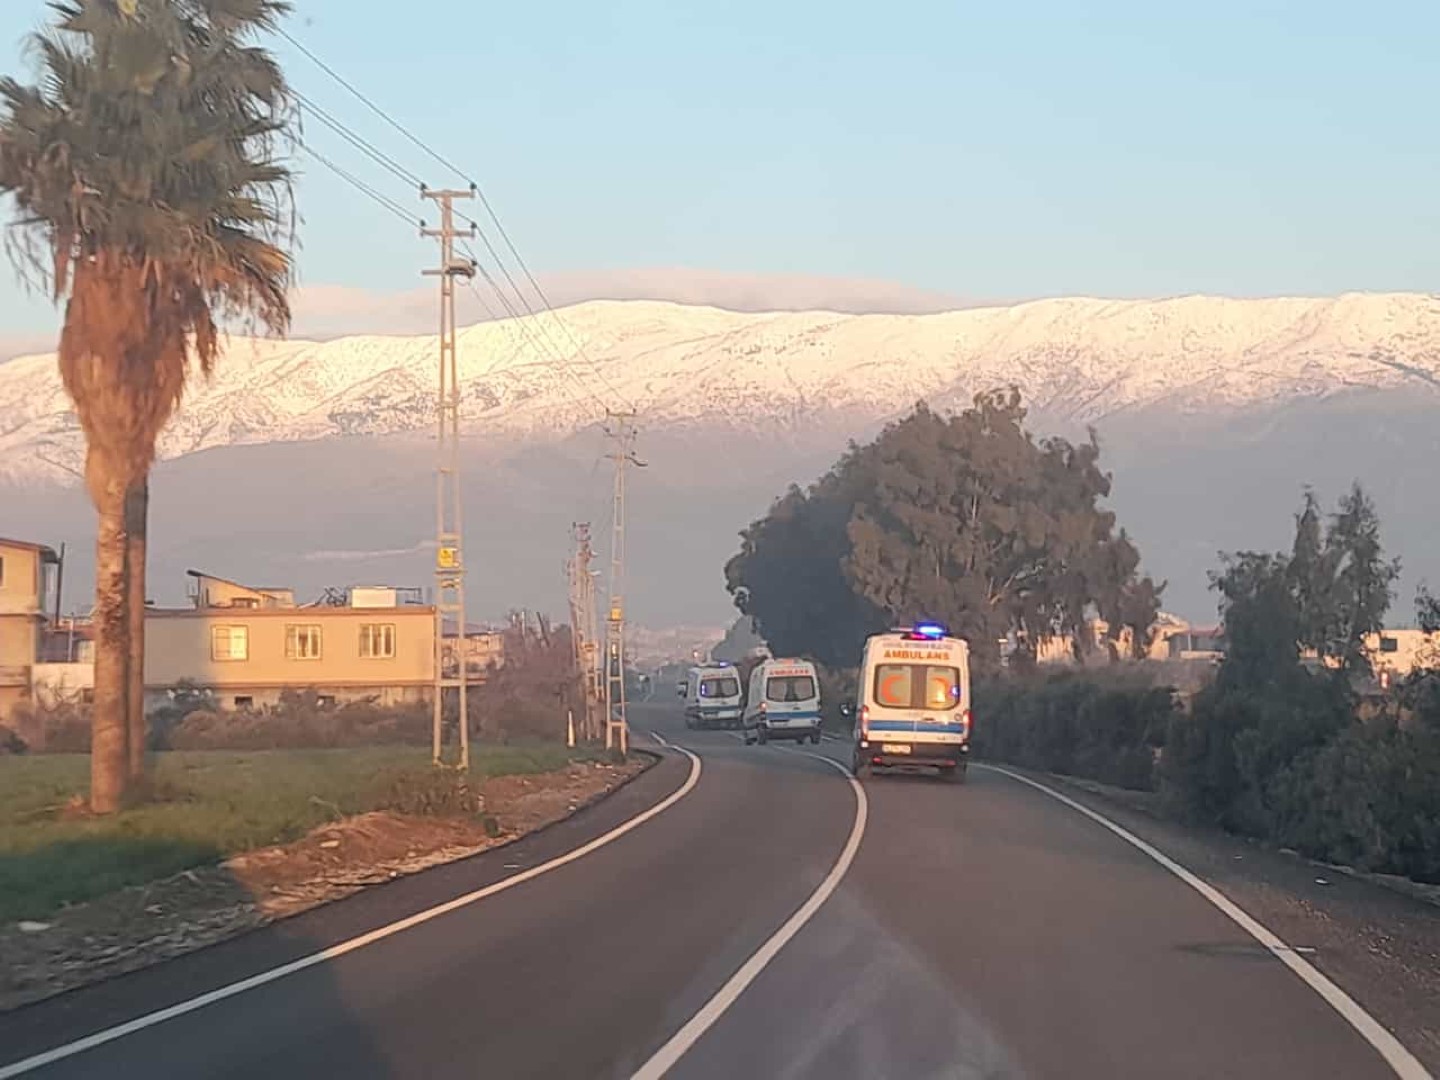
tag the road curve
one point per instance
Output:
(984, 930)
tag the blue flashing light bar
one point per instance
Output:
(930, 631)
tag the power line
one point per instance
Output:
(526, 337)
(544, 300)
(371, 151)
(376, 109)
(383, 200)
(484, 201)
(540, 331)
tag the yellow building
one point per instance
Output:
(1396, 654)
(24, 584)
(248, 645)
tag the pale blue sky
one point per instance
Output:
(1017, 150)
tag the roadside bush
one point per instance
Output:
(61, 729)
(300, 721)
(431, 793)
(1223, 759)
(10, 743)
(527, 697)
(1103, 726)
(1369, 798)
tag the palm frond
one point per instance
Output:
(147, 167)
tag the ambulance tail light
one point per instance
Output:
(864, 721)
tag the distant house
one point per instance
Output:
(25, 582)
(209, 591)
(243, 645)
(483, 649)
(247, 645)
(1171, 638)
(1197, 643)
(1396, 654)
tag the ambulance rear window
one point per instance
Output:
(721, 686)
(917, 686)
(790, 688)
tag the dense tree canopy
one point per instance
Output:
(1268, 711)
(1325, 598)
(967, 519)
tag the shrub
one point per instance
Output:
(300, 721)
(1102, 726)
(1369, 798)
(61, 729)
(10, 743)
(1223, 760)
(431, 793)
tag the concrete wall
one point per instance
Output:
(21, 583)
(57, 684)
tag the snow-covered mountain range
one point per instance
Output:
(1077, 361)
(310, 464)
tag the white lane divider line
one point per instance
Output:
(334, 952)
(1401, 1060)
(674, 1049)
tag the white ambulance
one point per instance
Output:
(913, 703)
(713, 696)
(783, 702)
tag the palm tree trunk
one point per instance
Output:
(109, 735)
(137, 511)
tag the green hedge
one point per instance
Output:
(1105, 728)
(1288, 762)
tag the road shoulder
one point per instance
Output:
(138, 927)
(1378, 945)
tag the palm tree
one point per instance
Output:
(152, 198)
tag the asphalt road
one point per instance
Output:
(983, 930)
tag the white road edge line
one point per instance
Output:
(1401, 1060)
(120, 1031)
(668, 1055)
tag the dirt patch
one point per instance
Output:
(136, 927)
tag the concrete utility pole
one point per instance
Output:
(449, 528)
(621, 429)
(584, 631)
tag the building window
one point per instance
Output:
(244, 702)
(377, 641)
(302, 642)
(326, 701)
(2, 571)
(230, 643)
(1389, 644)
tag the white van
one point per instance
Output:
(913, 703)
(713, 697)
(783, 702)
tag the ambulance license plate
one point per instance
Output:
(897, 748)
